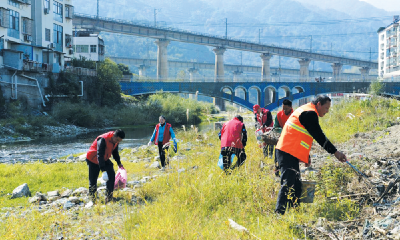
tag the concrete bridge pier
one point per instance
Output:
(219, 73)
(192, 74)
(236, 75)
(337, 71)
(365, 73)
(304, 69)
(266, 69)
(142, 71)
(162, 59)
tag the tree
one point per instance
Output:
(124, 69)
(376, 88)
(109, 74)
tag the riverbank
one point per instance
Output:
(19, 123)
(194, 199)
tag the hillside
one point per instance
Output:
(345, 28)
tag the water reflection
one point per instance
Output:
(44, 148)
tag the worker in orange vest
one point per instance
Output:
(294, 146)
(283, 115)
(280, 120)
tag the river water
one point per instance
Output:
(44, 148)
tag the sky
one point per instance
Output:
(388, 5)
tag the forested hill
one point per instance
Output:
(341, 27)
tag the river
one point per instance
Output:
(48, 147)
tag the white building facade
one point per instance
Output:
(37, 33)
(90, 46)
(389, 50)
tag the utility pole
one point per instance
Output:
(279, 68)
(226, 28)
(155, 17)
(370, 52)
(98, 9)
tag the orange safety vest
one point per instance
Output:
(282, 117)
(295, 139)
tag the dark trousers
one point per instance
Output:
(290, 192)
(268, 150)
(94, 171)
(227, 154)
(162, 151)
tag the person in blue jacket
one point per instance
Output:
(162, 134)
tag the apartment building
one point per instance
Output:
(389, 49)
(90, 46)
(35, 34)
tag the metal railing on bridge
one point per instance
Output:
(250, 79)
(140, 23)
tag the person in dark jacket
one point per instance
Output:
(162, 134)
(98, 158)
(233, 136)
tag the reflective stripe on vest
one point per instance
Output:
(295, 139)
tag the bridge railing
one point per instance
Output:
(132, 22)
(252, 79)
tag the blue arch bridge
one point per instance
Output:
(267, 92)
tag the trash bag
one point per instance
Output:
(120, 179)
(221, 161)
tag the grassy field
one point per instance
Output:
(197, 203)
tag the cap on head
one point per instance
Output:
(255, 108)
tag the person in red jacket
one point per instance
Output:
(264, 122)
(263, 118)
(283, 115)
(161, 135)
(98, 158)
(233, 136)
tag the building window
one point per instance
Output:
(68, 40)
(4, 17)
(58, 11)
(93, 48)
(58, 37)
(82, 48)
(26, 26)
(46, 6)
(13, 30)
(47, 35)
(69, 11)
(14, 20)
(13, 3)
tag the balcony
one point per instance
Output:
(58, 47)
(81, 71)
(23, 1)
(13, 33)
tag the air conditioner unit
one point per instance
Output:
(46, 11)
(71, 51)
(28, 38)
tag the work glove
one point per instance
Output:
(105, 176)
(149, 144)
